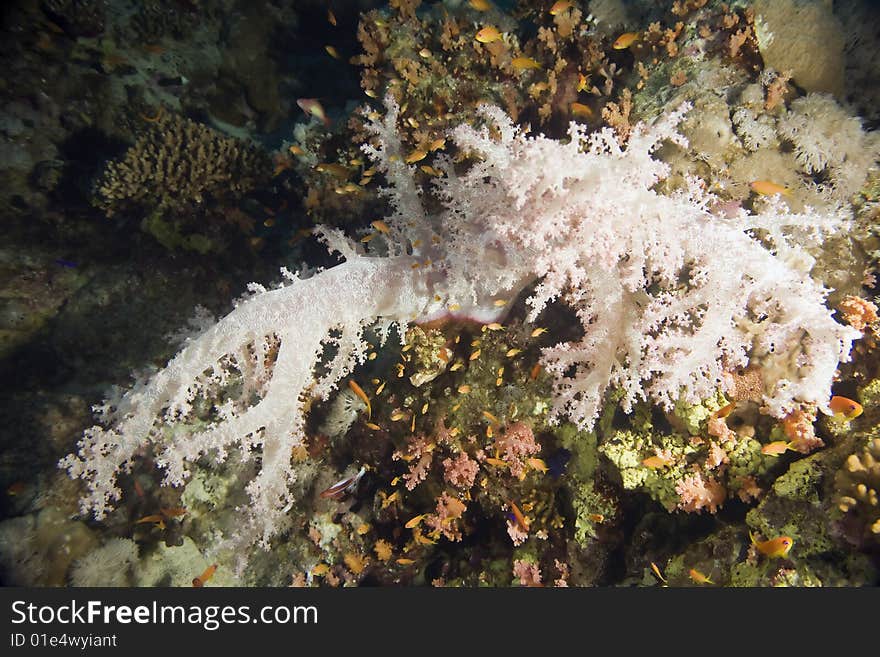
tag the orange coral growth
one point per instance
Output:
(857, 312)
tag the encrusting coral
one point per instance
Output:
(669, 298)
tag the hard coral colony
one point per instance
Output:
(669, 298)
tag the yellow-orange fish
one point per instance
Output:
(333, 52)
(480, 5)
(523, 63)
(775, 448)
(654, 462)
(313, 107)
(538, 464)
(698, 577)
(357, 390)
(625, 40)
(208, 573)
(416, 156)
(518, 516)
(560, 6)
(767, 188)
(845, 408)
(657, 572)
(581, 111)
(775, 547)
(488, 34)
(582, 82)
(331, 17)
(724, 411)
(413, 522)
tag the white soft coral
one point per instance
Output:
(669, 296)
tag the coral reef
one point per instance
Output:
(597, 302)
(655, 297)
(179, 174)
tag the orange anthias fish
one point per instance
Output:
(656, 462)
(560, 6)
(698, 577)
(523, 63)
(208, 573)
(845, 408)
(625, 40)
(488, 34)
(313, 106)
(480, 5)
(776, 448)
(357, 390)
(581, 111)
(775, 547)
(518, 516)
(767, 188)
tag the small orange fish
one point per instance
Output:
(334, 169)
(776, 448)
(538, 464)
(538, 331)
(767, 188)
(523, 63)
(582, 82)
(331, 17)
(775, 547)
(657, 572)
(381, 226)
(480, 5)
(581, 111)
(413, 522)
(698, 577)
(560, 6)
(488, 34)
(518, 516)
(403, 561)
(155, 517)
(596, 517)
(625, 40)
(654, 462)
(356, 389)
(845, 408)
(313, 107)
(535, 371)
(724, 411)
(416, 156)
(199, 581)
(333, 52)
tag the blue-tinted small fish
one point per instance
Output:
(66, 263)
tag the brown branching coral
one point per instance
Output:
(857, 483)
(180, 166)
